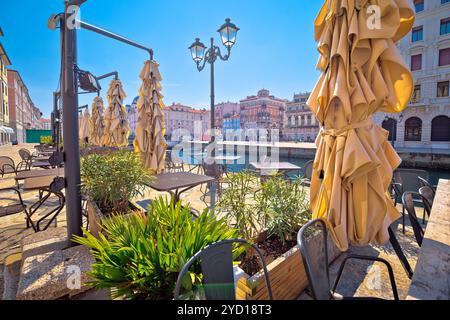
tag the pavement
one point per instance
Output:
(359, 279)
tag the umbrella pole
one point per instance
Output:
(398, 250)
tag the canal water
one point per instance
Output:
(434, 174)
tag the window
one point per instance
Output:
(445, 26)
(442, 89)
(444, 57)
(416, 62)
(419, 4)
(440, 129)
(413, 129)
(417, 34)
(416, 94)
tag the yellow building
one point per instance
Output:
(5, 131)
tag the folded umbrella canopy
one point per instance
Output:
(97, 124)
(362, 73)
(149, 141)
(84, 125)
(117, 129)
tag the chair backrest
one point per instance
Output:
(5, 163)
(427, 194)
(216, 262)
(212, 170)
(409, 178)
(425, 183)
(408, 202)
(25, 155)
(308, 169)
(312, 240)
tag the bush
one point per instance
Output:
(286, 205)
(277, 206)
(140, 256)
(238, 205)
(113, 180)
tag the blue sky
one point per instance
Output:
(275, 48)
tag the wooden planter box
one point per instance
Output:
(95, 217)
(287, 277)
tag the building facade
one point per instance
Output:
(6, 132)
(132, 116)
(20, 105)
(45, 124)
(425, 124)
(263, 111)
(301, 124)
(223, 110)
(36, 116)
(231, 125)
(187, 121)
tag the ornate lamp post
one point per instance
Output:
(202, 55)
(394, 125)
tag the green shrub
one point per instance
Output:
(277, 206)
(238, 205)
(48, 140)
(286, 205)
(140, 256)
(113, 180)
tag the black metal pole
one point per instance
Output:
(213, 115)
(115, 36)
(69, 93)
(54, 117)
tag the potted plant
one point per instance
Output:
(139, 256)
(110, 182)
(269, 214)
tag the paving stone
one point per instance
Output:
(50, 276)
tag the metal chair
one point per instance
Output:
(307, 173)
(408, 203)
(27, 160)
(313, 242)
(7, 166)
(216, 262)
(407, 180)
(12, 207)
(55, 188)
(428, 195)
(216, 171)
(425, 183)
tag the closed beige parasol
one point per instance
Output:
(362, 73)
(117, 129)
(149, 142)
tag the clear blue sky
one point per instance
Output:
(275, 48)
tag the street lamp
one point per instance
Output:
(202, 55)
(394, 124)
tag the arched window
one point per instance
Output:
(440, 129)
(391, 126)
(413, 129)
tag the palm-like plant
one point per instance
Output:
(140, 256)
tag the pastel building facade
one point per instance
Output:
(301, 124)
(182, 121)
(20, 105)
(225, 110)
(6, 132)
(425, 124)
(262, 111)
